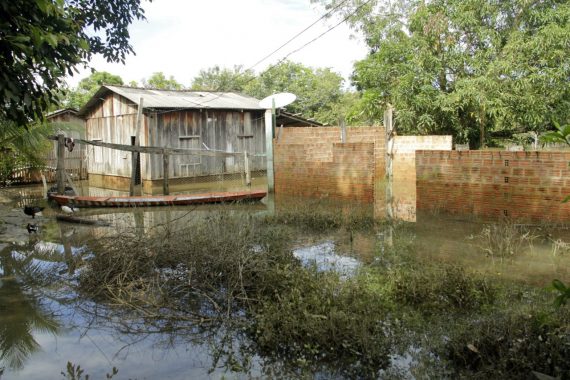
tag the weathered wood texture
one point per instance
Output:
(114, 121)
(230, 131)
(75, 161)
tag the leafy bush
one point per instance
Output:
(321, 318)
(510, 346)
(433, 289)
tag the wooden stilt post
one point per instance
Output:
(134, 156)
(44, 183)
(60, 168)
(165, 169)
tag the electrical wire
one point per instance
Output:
(298, 34)
(300, 48)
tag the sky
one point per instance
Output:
(181, 37)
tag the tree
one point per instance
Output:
(22, 146)
(42, 41)
(466, 67)
(223, 79)
(88, 86)
(159, 81)
(319, 91)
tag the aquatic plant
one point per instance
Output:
(504, 239)
(509, 345)
(432, 289)
(322, 215)
(563, 293)
(320, 318)
(231, 279)
(237, 273)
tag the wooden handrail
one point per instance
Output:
(156, 150)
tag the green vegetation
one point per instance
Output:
(235, 274)
(504, 239)
(75, 372)
(319, 91)
(563, 293)
(474, 69)
(223, 79)
(160, 81)
(36, 56)
(21, 147)
(87, 87)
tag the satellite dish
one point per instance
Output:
(281, 100)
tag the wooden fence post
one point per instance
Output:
(246, 169)
(165, 165)
(60, 166)
(135, 162)
(389, 126)
(342, 131)
(269, 151)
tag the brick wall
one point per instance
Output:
(348, 176)
(404, 170)
(313, 163)
(319, 141)
(490, 184)
(405, 147)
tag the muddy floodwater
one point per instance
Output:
(44, 323)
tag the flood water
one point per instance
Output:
(44, 324)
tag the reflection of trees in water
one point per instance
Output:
(222, 342)
(21, 311)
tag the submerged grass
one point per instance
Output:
(323, 216)
(238, 271)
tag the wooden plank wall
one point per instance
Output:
(113, 121)
(230, 131)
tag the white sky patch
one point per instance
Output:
(181, 37)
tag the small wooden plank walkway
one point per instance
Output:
(159, 200)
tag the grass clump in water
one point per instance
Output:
(505, 239)
(510, 345)
(320, 318)
(322, 216)
(431, 289)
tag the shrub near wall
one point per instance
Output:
(491, 184)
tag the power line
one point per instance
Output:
(320, 35)
(303, 46)
(298, 34)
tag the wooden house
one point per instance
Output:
(68, 122)
(216, 121)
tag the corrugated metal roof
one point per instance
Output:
(178, 99)
(72, 111)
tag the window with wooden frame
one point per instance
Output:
(189, 138)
